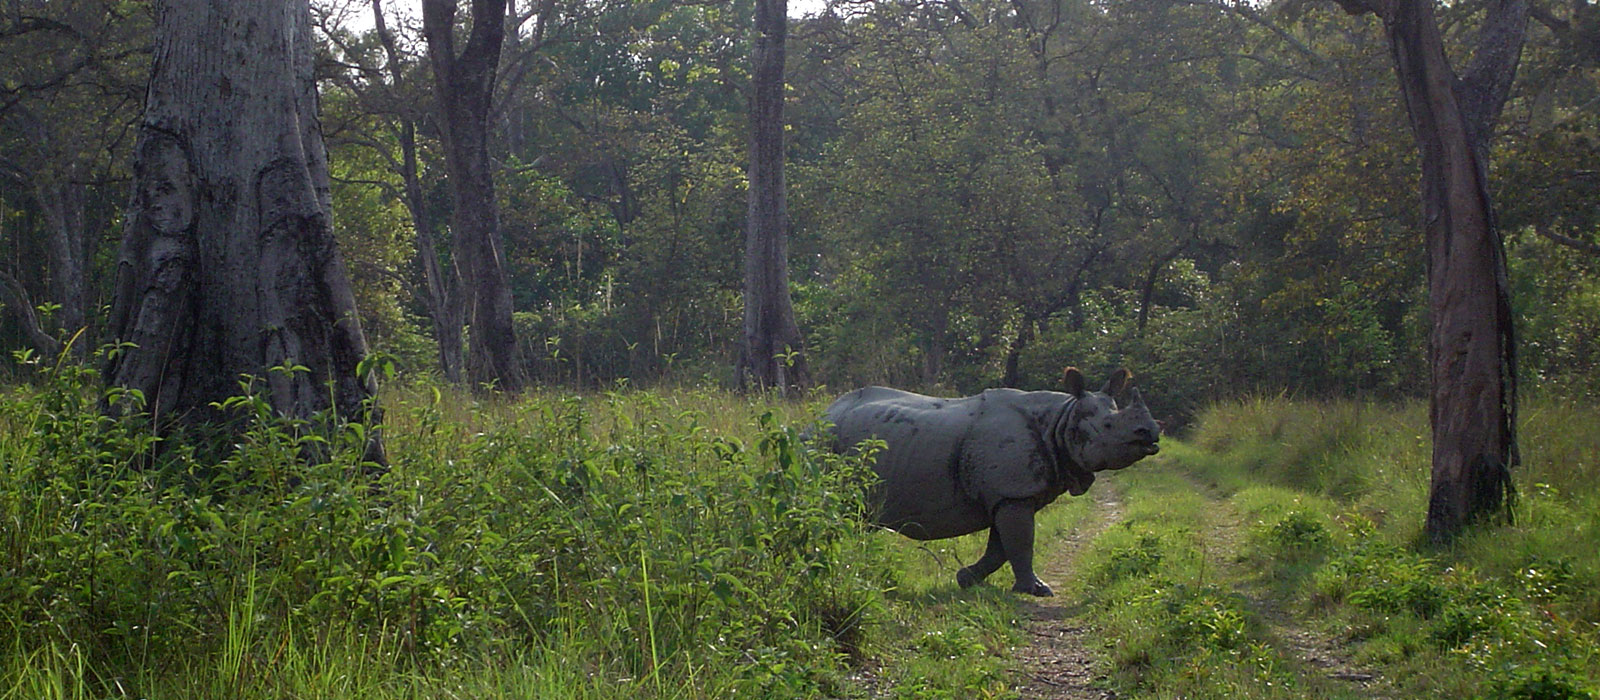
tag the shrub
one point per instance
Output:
(1538, 682)
(1296, 532)
(1140, 557)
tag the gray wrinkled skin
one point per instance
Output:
(957, 466)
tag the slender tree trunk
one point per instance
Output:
(14, 300)
(773, 354)
(1147, 290)
(228, 265)
(1013, 376)
(63, 203)
(1471, 347)
(464, 84)
(443, 284)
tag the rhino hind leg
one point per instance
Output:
(1013, 522)
(993, 556)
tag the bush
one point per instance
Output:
(1538, 682)
(1296, 532)
(1140, 557)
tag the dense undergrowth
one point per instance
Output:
(624, 544)
(687, 544)
(1284, 516)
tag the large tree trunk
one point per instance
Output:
(464, 84)
(228, 264)
(772, 356)
(1471, 347)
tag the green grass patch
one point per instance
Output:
(1175, 623)
(684, 544)
(1332, 498)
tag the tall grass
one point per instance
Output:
(1333, 496)
(623, 544)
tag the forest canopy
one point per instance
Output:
(1221, 195)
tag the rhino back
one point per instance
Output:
(949, 462)
(1009, 455)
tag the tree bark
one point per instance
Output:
(443, 284)
(464, 84)
(228, 265)
(773, 353)
(15, 300)
(1472, 344)
(63, 203)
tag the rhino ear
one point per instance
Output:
(1073, 380)
(1118, 382)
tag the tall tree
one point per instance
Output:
(772, 356)
(228, 264)
(1471, 344)
(442, 292)
(71, 73)
(464, 85)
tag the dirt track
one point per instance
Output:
(1058, 661)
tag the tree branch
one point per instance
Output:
(1542, 14)
(1487, 81)
(1381, 8)
(1568, 241)
(1248, 12)
(16, 299)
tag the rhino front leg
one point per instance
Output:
(993, 556)
(1013, 521)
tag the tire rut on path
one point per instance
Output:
(1326, 666)
(1056, 661)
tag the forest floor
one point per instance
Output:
(1059, 662)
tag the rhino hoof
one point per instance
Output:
(1036, 588)
(966, 579)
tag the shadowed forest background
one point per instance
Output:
(1219, 195)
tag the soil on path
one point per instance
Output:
(1056, 663)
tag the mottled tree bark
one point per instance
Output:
(1471, 348)
(228, 265)
(464, 84)
(772, 355)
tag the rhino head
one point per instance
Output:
(1101, 436)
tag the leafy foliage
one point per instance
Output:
(628, 529)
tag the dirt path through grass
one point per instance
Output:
(1325, 666)
(1059, 659)
(1057, 662)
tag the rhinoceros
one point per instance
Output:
(956, 466)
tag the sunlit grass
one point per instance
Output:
(623, 544)
(1323, 506)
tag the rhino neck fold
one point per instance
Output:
(1071, 471)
